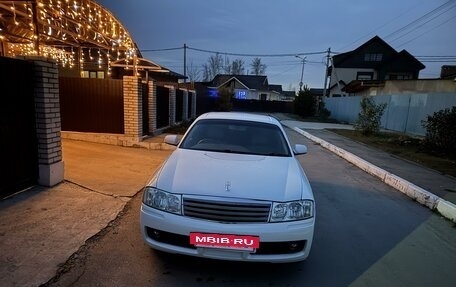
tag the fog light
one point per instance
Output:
(156, 234)
(293, 246)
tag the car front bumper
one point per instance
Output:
(279, 242)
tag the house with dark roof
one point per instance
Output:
(247, 87)
(448, 72)
(370, 65)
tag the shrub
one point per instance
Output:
(441, 131)
(368, 121)
(323, 113)
(304, 103)
(223, 102)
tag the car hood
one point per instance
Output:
(233, 175)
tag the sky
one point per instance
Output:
(425, 28)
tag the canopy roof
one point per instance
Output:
(50, 27)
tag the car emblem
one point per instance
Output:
(228, 186)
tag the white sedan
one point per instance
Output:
(232, 190)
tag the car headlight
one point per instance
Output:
(162, 200)
(293, 210)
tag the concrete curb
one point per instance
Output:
(430, 200)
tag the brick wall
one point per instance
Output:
(47, 107)
(132, 90)
(152, 106)
(172, 105)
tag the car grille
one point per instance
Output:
(231, 212)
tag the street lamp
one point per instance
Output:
(302, 71)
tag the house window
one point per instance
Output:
(365, 76)
(373, 57)
(93, 74)
(263, 97)
(242, 95)
(399, 76)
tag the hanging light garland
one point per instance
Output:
(68, 24)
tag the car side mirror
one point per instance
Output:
(172, 139)
(300, 149)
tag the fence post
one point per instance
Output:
(48, 123)
(172, 105)
(152, 106)
(193, 105)
(132, 90)
(185, 105)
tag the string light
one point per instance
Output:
(71, 22)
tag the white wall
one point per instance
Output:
(403, 113)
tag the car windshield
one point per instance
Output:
(236, 136)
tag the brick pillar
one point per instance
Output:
(193, 104)
(172, 105)
(185, 106)
(132, 93)
(152, 106)
(47, 110)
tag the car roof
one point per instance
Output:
(240, 116)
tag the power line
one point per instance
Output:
(161, 50)
(436, 10)
(378, 28)
(433, 18)
(254, 55)
(413, 39)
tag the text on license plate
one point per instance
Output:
(224, 241)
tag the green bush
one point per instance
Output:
(368, 121)
(441, 132)
(223, 102)
(323, 113)
(304, 103)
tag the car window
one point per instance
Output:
(235, 136)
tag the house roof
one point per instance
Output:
(275, 88)
(289, 94)
(403, 61)
(376, 41)
(391, 59)
(146, 65)
(316, 92)
(251, 82)
(448, 72)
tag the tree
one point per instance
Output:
(257, 67)
(216, 64)
(237, 67)
(368, 121)
(213, 67)
(304, 103)
(441, 132)
(193, 73)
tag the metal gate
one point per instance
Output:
(92, 105)
(18, 143)
(162, 107)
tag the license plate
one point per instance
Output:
(226, 241)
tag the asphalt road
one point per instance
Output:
(367, 234)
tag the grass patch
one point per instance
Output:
(406, 147)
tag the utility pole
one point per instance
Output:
(326, 71)
(302, 71)
(185, 63)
